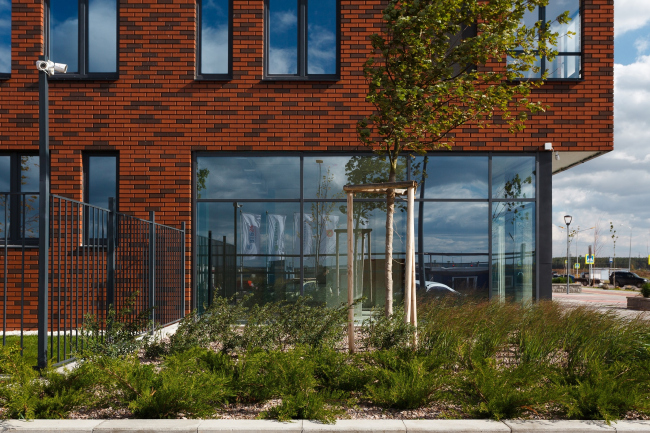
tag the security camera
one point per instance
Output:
(49, 67)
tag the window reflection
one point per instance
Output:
(513, 251)
(321, 37)
(283, 36)
(29, 174)
(248, 178)
(451, 176)
(64, 33)
(102, 36)
(214, 37)
(565, 43)
(513, 177)
(5, 37)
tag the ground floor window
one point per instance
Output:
(273, 226)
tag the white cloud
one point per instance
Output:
(613, 187)
(282, 61)
(284, 20)
(630, 15)
(642, 45)
(102, 36)
(214, 50)
(5, 59)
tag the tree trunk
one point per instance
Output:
(390, 211)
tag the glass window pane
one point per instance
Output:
(5, 167)
(64, 33)
(268, 247)
(29, 175)
(454, 246)
(325, 265)
(248, 177)
(326, 176)
(451, 176)
(513, 251)
(566, 43)
(5, 37)
(214, 36)
(533, 72)
(564, 67)
(102, 36)
(283, 36)
(513, 177)
(101, 175)
(321, 37)
(529, 20)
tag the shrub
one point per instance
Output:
(645, 290)
(380, 332)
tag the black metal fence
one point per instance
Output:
(97, 258)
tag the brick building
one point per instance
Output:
(238, 118)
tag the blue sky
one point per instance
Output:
(615, 187)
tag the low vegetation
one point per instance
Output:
(473, 359)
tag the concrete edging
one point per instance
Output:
(304, 426)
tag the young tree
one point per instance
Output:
(441, 64)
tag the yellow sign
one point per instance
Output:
(589, 259)
(577, 265)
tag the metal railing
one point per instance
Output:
(98, 258)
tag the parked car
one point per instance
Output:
(624, 278)
(436, 289)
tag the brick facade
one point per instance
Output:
(156, 114)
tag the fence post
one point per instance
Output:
(152, 268)
(110, 256)
(183, 268)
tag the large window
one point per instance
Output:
(275, 226)
(568, 63)
(5, 38)
(302, 39)
(19, 175)
(83, 35)
(214, 47)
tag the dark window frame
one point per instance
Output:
(302, 60)
(542, 17)
(14, 237)
(82, 48)
(7, 75)
(199, 76)
(87, 240)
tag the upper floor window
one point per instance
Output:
(568, 63)
(83, 34)
(302, 39)
(214, 46)
(100, 183)
(5, 38)
(19, 174)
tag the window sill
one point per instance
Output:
(88, 77)
(213, 77)
(331, 78)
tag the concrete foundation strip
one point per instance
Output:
(300, 426)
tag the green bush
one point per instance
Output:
(645, 290)
(380, 332)
(559, 280)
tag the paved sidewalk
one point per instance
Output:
(615, 300)
(300, 426)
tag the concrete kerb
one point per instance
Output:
(300, 426)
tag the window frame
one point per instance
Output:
(7, 75)
(82, 47)
(199, 76)
(302, 49)
(541, 10)
(87, 239)
(14, 237)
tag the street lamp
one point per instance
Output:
(567, 221)
(48, 68)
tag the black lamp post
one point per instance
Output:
(47, 68)
(567, 221)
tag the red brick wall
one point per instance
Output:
(155, 115)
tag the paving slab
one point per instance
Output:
(632, 426)
(148, 425)
(558, 426)
(456, 426)
(50, 425)
(356, 426)
(249, 426)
